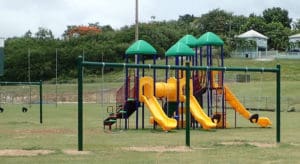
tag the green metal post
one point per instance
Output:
(80, 106)
(41, 101)
(278, 104)
(187, 104)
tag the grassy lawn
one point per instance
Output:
(243, 143)
(247, 143)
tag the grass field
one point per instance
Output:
(247, 143)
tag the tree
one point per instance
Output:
(256, 23)
(96, 24)
(278, 36)
(81, 30)
(106, 28)
(28, 34)
(44, 33)
(236, 24)
(187, 18)
(276, 14)
(217, 21)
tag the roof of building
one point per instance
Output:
(252, 34)
(294, 36)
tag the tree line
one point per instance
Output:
(109, 44)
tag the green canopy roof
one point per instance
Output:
(189, 40)
(140, 47)
(210, 38)
(180, 49)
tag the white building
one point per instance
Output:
(260, 48)
(294, 41)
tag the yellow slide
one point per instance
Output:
(239, 107)
(147, 97)
(200, 115)
(158, 114)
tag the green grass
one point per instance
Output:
(59, 132)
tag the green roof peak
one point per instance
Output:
(141, 47)
(189, 40)
(209, 38)
(180, 49)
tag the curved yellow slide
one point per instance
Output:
(200, 115)
(147, 97)
(239, 107)
(158, 114)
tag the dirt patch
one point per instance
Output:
(76, 152)
(20, 152)
(233, 143)
(46, 131)
(158, 149)
(263, 145)
(295, 144)
(257, 144)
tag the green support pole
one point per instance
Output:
(187, 104)
(80, 106)
(278, 104)
(41, 101)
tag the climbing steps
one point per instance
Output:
(123, 111)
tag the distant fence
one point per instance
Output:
(105, 96)
(266, 103)
(266, 55)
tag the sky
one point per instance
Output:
(18, 16)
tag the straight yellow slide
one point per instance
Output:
(239, 107)
(158, 114)
(200, 115)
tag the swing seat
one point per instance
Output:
(254, 118)
(24, 109)
(216, 118)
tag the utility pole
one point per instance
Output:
(56, 65)
(136, 20)
(29, 76)
(136, 25)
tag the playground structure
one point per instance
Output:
(146, 90)
(85, 64)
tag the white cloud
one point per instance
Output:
(19, 16)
